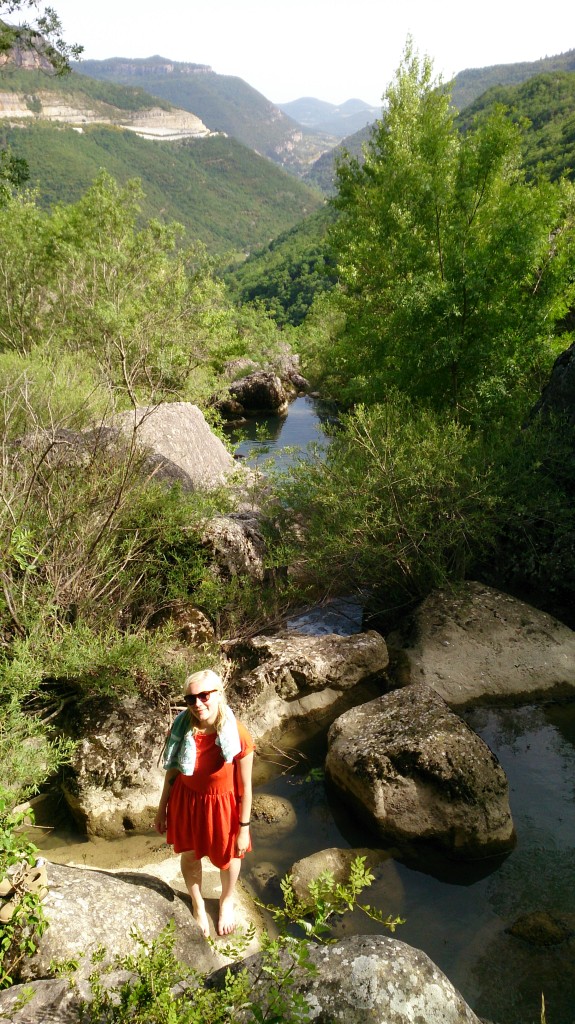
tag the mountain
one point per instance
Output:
(340, 121)
(547, 103)
(468, 85)
(67, 129)
(224, 103)
(29, 93)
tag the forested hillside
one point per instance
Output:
(224, 103)
(546, 103)
(222, 192)
(468, 85)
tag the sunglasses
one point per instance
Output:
(191, 698)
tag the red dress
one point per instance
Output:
(203, 808)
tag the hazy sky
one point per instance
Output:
(331, 49)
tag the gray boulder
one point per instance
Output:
(115, 781)
(180, 445)
(86, 909)
(477, 645)
(415, 771)
(260, 392)
(293, 677)
(237, 544)
(335, 860)
(371, 980)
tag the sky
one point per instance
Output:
(333, 50)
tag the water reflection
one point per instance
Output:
(284, 440)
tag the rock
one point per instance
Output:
(299, 677)
(237, 544)
(191, 625)
(47, 1001)
(369, 980)
(181, 446)
(260, 392)
(86, 909)
(416, 771)
(558, 396)
(268, 809)
(477, 645)
(336, 861)
(115, 780)
(541, 928)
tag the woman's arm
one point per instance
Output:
(160, 819)
(243, 836)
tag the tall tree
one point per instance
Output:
(454, 268)
(42, 34)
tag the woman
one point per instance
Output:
(207, 795)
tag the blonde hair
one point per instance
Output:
(212, 681)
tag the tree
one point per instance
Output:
(455, 269)
(43, 35)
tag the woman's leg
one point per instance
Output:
(192, 872)
(229, 877)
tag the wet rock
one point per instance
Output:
(273, 810)
(415, 771)
(541, 928)
(335, 860)
(260, 392)
(476, 644)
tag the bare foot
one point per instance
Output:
(201, 919)
(227, 921)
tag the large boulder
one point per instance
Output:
(86, 909)
(415, 771)
(181, 446)
(114, 783)
(260, 392)
(292, 677)
(476, 645)
(369, 980)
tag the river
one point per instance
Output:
(457, 914)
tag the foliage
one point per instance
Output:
(161, 990)
(455, 269)
(43, 35)
(223, 193)
(545, 105)
(20, 934)
(285, 277)
(326, 898)
(402, 502)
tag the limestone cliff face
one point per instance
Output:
(49, 105)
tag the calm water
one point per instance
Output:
(459, 916)
(284, 439)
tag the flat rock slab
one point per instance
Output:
(478, 645)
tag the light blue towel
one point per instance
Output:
(180, 748)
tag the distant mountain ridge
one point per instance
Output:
(469, 84)
(340, 120)
(224, 103)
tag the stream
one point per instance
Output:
(457, 914)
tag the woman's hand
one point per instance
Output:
(242, 841)
(160, 823)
